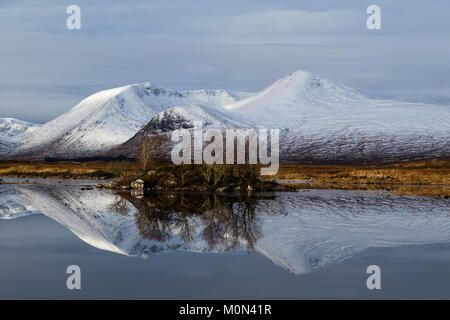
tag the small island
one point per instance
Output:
(202, 177)
(157, 173)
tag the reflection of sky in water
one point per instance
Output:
(330, 232)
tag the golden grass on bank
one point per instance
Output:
(413, 173)
(85, 170)
(404, 178)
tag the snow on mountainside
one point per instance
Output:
(185, 116)
(291, 100)
(11, 130)
(325, 122)
(179, 117)
(109, 118)
(320, 121)
(302, 98)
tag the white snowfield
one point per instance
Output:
(300, 232)
(320, 121)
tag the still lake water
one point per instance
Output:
(307, 244)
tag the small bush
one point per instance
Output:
(126, 178)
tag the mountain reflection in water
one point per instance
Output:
(226, 221)
(299, 231)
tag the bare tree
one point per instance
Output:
(151, 151)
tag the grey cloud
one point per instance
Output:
(240, 45)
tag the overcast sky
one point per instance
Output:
(45, 69)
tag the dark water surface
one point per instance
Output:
(314, 244)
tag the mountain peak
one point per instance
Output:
(314, 86)
(300, 90)
(111, 117)
(321, 120)
(300, 73)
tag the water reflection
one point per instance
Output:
(226, 221)
(299, 231)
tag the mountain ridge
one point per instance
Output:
(320, 121)
(108, 118)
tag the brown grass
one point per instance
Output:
(412, 173)
(80, 170)
(431, 178)
(418, 178)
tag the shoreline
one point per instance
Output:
(428, 178)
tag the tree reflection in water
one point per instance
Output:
(225, 221)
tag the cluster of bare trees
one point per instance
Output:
(224, 222)
(152, 151)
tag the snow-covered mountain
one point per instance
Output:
(320, 121)
(296, 99)
(11, 131)
(185, 116)
(109, 118)
(298, 232)
(179, 117)
(11, 128)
